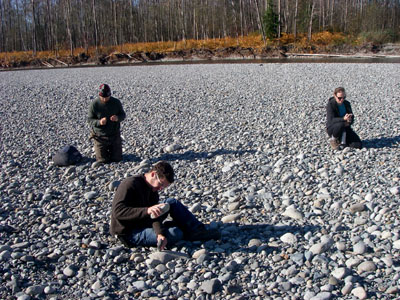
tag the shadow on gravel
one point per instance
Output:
(391, 142)
(191, 155)
(130, 157)
(263, 232)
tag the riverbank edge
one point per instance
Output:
(228, 55)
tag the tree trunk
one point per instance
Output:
(345, 15)
(286, 16)
(34, 42)
(260, 27)
(183, 20)
(96, 37)
(235, 22)
(279, 18)
(67, 15)
(241, 18)
(311, 21)
(2, 38)
(295, 20)
(115, 29)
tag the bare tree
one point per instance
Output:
(96, 35)
(260, 27)
(295, 19)
(34, 39)
(310, 24)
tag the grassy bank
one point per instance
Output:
(324, 42)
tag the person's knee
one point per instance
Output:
(174, 235)
(102, 153)
(171, 201)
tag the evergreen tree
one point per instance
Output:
(270, 22)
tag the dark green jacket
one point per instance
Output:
(99, 110)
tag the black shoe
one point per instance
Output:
(204, 235)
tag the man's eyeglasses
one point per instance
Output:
(162, 185)
(341, 98)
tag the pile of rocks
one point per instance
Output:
(248, 142)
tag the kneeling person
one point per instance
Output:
(137, 216)
(339, 118)
(105, 115)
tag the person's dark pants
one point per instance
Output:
(184, 222)
(352, 139)
(108, 148)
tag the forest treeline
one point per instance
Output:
(52, 25)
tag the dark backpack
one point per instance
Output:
(68, 155)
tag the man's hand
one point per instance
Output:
(348, 117)
(103, 121)
(114, 118)
(161, 242)
(155, 210)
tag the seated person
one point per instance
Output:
(339, 120)
(137, 216)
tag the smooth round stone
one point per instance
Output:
(341, 246)
(69, 271)
(358, 207)
(114, 185)
(388, 260)
(96, 285)
(339, 170)
(289, 238)
(392, 290)
(346, 290)
(192, 285)
(352, 262)
(172, 148)
(198, 253)
(396, 244)
(233, 206)
(367, 266)
(230, 218)
(293, 213)
(360, 248)
(211, 286)
(34, 290)
(319, 248)
(395, 190)
(195, 208)
(139, 285)
(369, 197)
(359, 292)
(254, 242)
(322, 296)
(340, 273)
(90, 195)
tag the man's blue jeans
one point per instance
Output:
(183, 222)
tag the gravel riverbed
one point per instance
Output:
(248, 143)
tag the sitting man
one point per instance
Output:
(105, 115)
(137, 216)
(339, 118)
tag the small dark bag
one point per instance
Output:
(67, 156)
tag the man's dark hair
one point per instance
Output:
(164, 169)
(339, 90)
